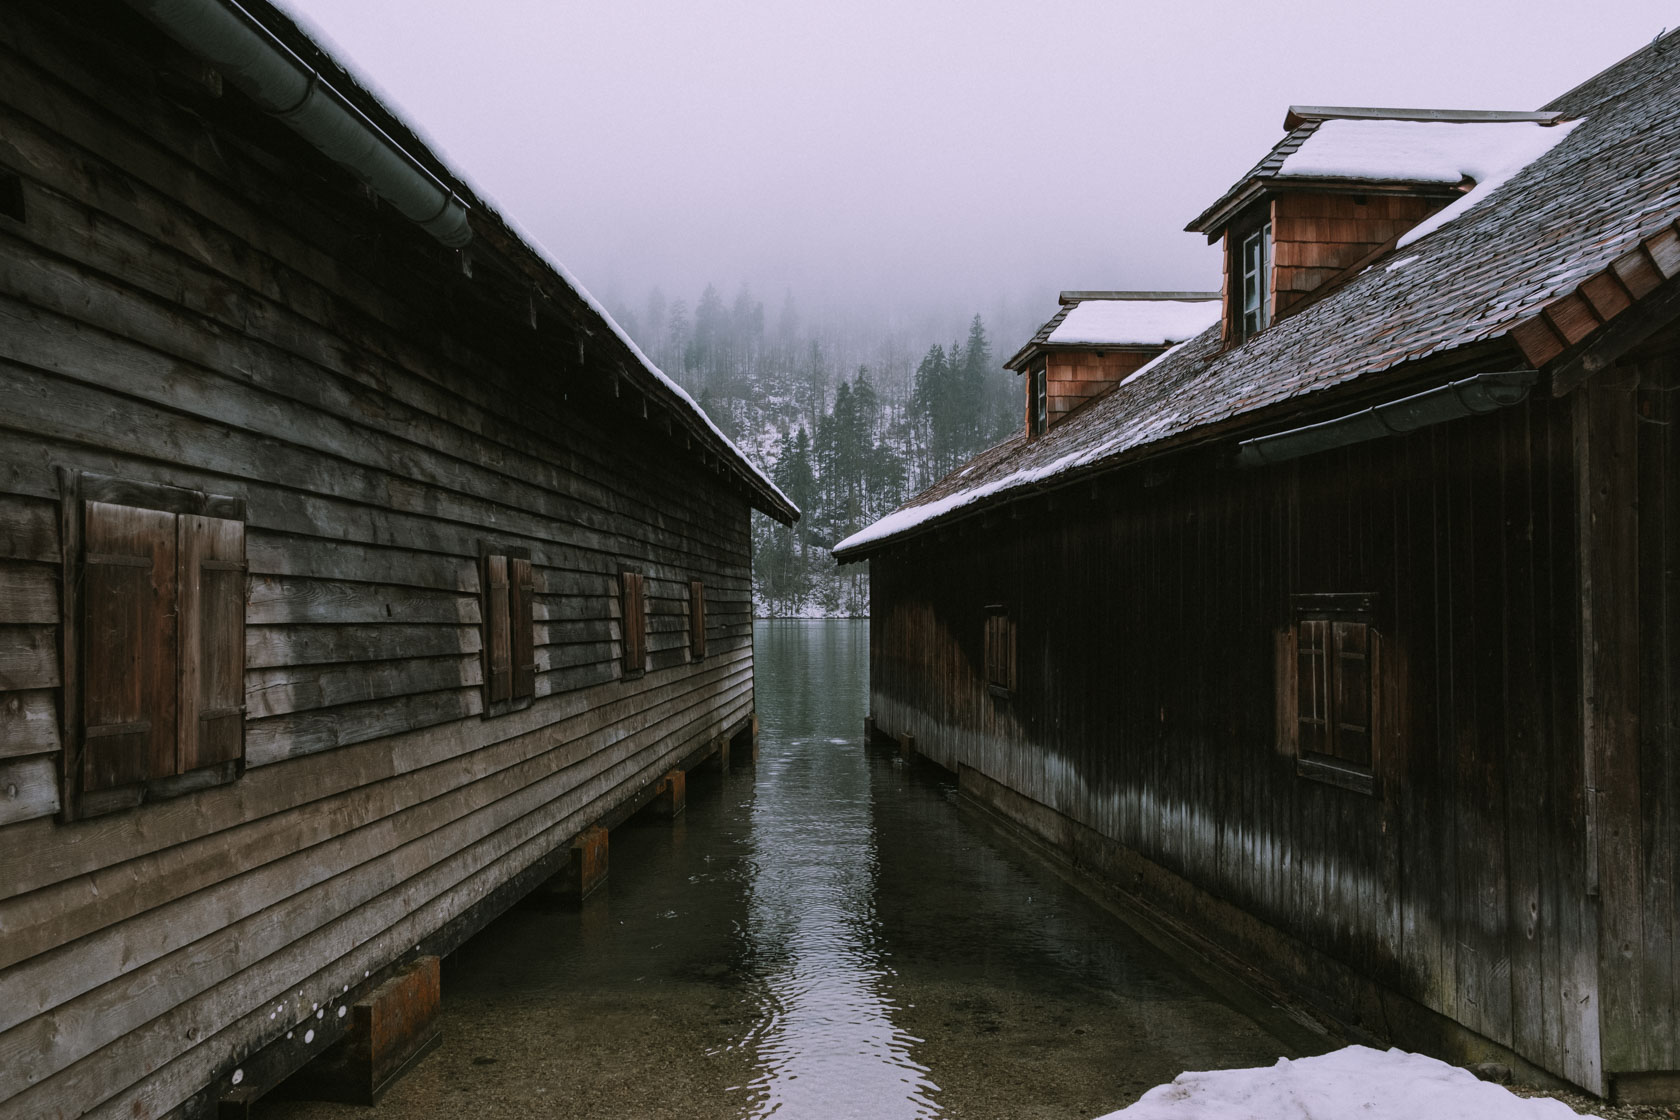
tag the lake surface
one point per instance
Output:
(829, 935)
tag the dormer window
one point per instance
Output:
(1257, 281)
(1099, 339)
(1343, 188)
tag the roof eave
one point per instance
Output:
(1493, 350)
(1215, 218)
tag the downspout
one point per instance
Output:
(252, 58)
(1472, 396)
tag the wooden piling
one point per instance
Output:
(390, 1031)
(672, 795)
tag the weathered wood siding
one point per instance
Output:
(1150, 608)
(192, 299)
(1627, 420)
(1074, 377)
(1316, 235)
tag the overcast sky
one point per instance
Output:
(899, 152)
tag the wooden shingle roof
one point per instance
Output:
(1527, 277)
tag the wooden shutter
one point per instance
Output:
(522, 622)
(697, 618)
(1312, 686)
(633, 614)
(1351, 737)
(1000, 651)
(128, 645)
(1009, 679)
(212, 621)
(498, 653)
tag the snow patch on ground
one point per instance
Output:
(1135, 322)
(1356, 1083)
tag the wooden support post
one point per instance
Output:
(718, 758)
(589, 863)
(907, 746)
(754, 729)
(672, 795)
(390, 1031)
(869, 731)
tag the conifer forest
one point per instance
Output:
(849, 418)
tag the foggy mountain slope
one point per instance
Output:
(849, 415)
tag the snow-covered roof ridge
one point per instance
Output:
(1134, 322)
(1528, 236)
(434, 154)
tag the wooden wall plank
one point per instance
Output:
(28, 789)
(28, 723)
(28, 529)
(28, 657)
(28, 594)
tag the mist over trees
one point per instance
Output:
(849, 418)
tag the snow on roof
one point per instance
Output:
(317, 35)
(1412, 151)
(1134, 322)
(1356, 1081)
(1525, 238)
(1486, 153)
(910, 516)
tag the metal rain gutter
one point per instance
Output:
(252, 58)
(1472, 396)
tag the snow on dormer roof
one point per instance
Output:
(1134, 322)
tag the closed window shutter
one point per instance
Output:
(1009, 654)
(1352, 742)
(1312, 686)
(212, 621)
(522, 621)
(129, 645)
(634, 617)
(498, 656)
(697, 617)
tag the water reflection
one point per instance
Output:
(830, 935)
(826, 1042)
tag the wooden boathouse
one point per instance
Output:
(1346, 632)
(352, 561)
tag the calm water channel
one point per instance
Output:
(831, 936)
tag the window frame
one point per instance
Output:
(1040, 397)
(519, 605)
(77, 489)
(1343, 621)
(1255, 282)
(1001, 642)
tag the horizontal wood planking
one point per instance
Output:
(28, 529)
(196, 1065)
(28, 657)
(28, 594)
(305, 388)
(360, 787)
(28, 787)
(296, 894)
(171, 312)
(28, 722)
(443, 857)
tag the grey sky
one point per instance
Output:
(879, 151)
